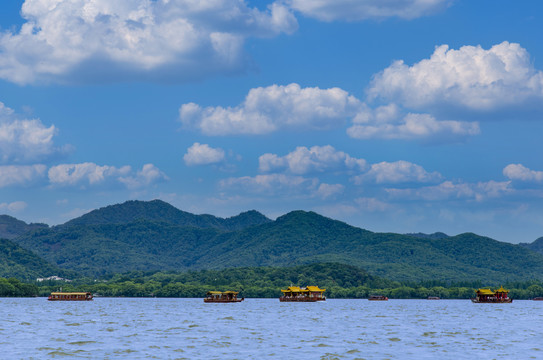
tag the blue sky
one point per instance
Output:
(407, 116)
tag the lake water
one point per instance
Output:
(124, 328)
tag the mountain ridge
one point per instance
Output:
(155, 236)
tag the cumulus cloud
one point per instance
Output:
(91, 174)
(20, 174)
(448, 190)
(268, 109)
(23, 140)
(386, 122)
(13, 207)
(148, 175)
(326, 191)
(147, 39)
(521, 173)
(471, 77)
(397, 172)
(305, 160)
(353, 10)
(203, 154)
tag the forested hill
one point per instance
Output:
(156, 236)
(11, 228)
(25, 265)
(536, 246)
(161, 211)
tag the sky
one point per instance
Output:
(400, 116)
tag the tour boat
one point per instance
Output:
(378, 298)
(433, 298)
(298, 294)
(539, 298)
(489, 296)
(70, 296)
(222, 297)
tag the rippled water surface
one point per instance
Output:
(113, 328)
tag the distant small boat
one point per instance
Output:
(539, 298)
(222, 297)
(489, 296)
(433, 298)
(70, 296)
(298, 294)
(378, 298)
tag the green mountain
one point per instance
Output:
(156, 236)
(536, 246)
(11, 228)
(23, 264)
(161, 211)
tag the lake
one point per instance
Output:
(143, 328)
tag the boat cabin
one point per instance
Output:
(307, 294)
(70, 296)
(489, 296)
(222, 297)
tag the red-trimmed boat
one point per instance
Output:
(489, 296)
(70, 296)
(378, 298)
(298, 294)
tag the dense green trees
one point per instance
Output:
(14, 288)
(340, 281)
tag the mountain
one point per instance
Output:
(156, 236)
(158, 210)
(23, 264)
(536, 246)
(435, 236)
(11, 227)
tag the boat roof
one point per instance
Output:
(485, 292)
(502, 290)
(70, 293)
(315, 289)
(222, 292)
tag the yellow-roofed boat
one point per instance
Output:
(299, 294)
(70, 296)
(489, 296)
(222, 297)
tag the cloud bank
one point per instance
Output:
(162, 40)
(471, 77)
(273, 108)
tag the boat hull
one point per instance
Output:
(283, 299)
(495, 301)
(223, 301)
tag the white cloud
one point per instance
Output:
(20, 174)
(148, 175)
(203, 154)
(471, 77)
(23, 140)
(90, 174)
(448, 190)
(326, 191)
(169, 40)
(353, 10)
(305, 160)
(13, 207)
(371, 124)
(275, 107)
(522, 173)
(397, 172)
